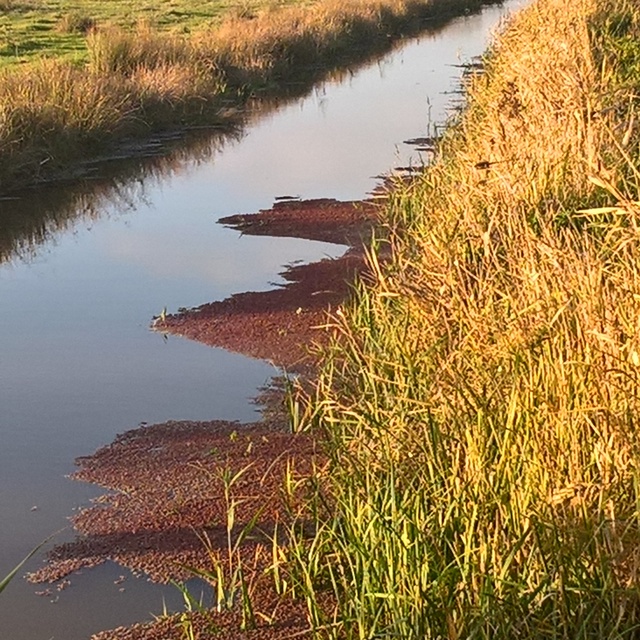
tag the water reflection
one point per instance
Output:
(34, 217)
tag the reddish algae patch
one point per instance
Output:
(167, 508)
(278, 325)
(281, 324)
(324, 220)
(168, 496)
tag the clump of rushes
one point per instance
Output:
(143, 80)
(482, 403)
(75, 22)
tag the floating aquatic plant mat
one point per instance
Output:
(289, 324)
(170, 494)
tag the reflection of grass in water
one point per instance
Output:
(482, 402)
(37, 216)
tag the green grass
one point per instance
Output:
(481, 403)
(4, 582)
(30, 29)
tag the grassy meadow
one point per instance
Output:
(104, 73)
(30, 29)
(482, 402)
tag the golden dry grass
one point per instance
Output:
(483, 401)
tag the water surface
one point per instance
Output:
(78, 363)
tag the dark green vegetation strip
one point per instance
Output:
(136, 81)
(482, 404)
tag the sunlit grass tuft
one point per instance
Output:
(75, 22)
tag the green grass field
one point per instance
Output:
(33, 28)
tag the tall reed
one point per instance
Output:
(482, 401)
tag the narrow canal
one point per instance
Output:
(80, 284)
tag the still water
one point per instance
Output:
(85, 266)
